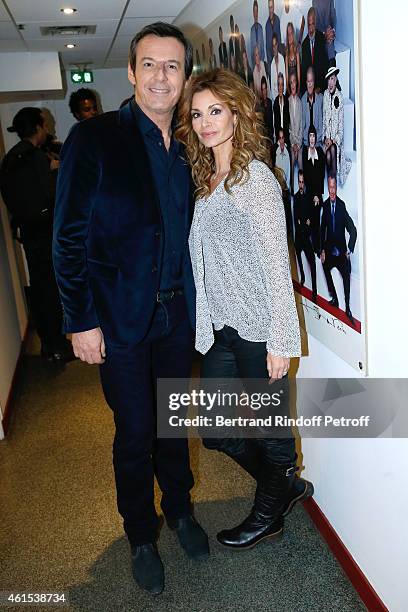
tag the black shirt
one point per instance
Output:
(171, 176)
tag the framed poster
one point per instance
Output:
(301, 59)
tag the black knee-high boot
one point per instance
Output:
(265, 521)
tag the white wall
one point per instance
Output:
(112, 86)
(361, 485)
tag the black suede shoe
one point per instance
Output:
(250, 532)
(301, 489)
(334, 302)
(192, 536)
(147, 568)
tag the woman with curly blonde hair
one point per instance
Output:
(246, 325)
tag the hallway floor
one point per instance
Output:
(60, 531)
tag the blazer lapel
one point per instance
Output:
(143, 180)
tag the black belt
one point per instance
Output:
(166, 296)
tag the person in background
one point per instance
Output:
(312, 110)
(204, 62)
(83, 104)
(272, 27)
(314, 167)
(247, 73)
(238, 51)
(282, 157)
(314, 54)
(281, 118)
(295, 128)
(256, 36)
(28, 183)
(302, 214)
(326, 22)
(213, 59)
(266, 106)
(222, 50)
(333, 128)
(335, 252)
(247, 325)
(292, 57)
(290, 13)
(258, 73)
(122, 220)
(231, 45)
(277, 67)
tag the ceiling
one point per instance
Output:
(116, 21)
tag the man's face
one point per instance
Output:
(293, 84)
(271, 8)
(310, 83)
(301, 183)
(311, 24)
(257, 58)
(42, 132)
(264, 91)
(275, 48)
(312, 140)
(87, 110)
(281, 140)
(159, 74)
(332, 185)
(280, 86)
(255, 13)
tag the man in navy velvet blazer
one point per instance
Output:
(123, 213)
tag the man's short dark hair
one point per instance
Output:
(275, 36)
(163, 30)
(26, 122)
(77, 96)
(264, 81)
(300, 173)
(255, 4)
(331, 176)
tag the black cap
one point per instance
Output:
(26, 119)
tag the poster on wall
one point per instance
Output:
(301, 59)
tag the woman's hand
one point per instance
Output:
(277, 366)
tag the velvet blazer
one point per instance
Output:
(108, 230)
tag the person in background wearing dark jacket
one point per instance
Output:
(314, 168)
(27, 182)
(266, 106)
(281, 117)
(335, 252)
(314, 54)
(222, 50)
(124, 207)
(83, 104)
(302, 213)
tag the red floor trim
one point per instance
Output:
(336, 312)
(8, 408)
(368, 595)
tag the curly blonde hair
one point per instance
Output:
(249, 141)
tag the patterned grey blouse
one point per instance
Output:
(241, 267)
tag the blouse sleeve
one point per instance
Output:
(263, 200)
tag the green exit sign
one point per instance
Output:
(81, 76)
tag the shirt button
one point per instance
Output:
(160, 143)
(154, 269)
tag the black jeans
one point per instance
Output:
(44, 295)
(129, 377)
(232, 357)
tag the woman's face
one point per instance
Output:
(332, 83)
(212, 120)
(291, 34)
